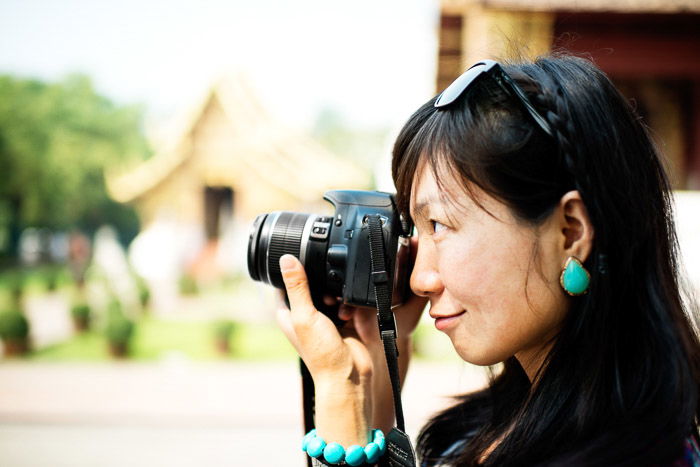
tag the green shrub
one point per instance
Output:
(224, 329)
(13, 325)
(81, 311)
(52, 278)
(15, 282)
(81, 317)
(144, 294)
(119, 329)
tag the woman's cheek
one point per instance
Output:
(454, 268)
(458, 271)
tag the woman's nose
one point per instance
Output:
(425, 280)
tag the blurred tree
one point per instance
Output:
(56, 139)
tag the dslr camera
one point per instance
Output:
(335, 250)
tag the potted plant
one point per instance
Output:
(144, 295)
(81, 317)
(52, 279)
(14, 331)
(119, 331)
(224, 330)
(16, 283)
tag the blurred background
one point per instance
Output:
(138, 141)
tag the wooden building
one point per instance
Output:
(231, 160)
(650, 48)
(228, 162)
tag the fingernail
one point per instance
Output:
(287, 263)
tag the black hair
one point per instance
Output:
(620, 383)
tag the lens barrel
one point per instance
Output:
(272, 236)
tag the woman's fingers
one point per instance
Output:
(346, 312)
(297, 286)
(329, 300)
(315, 333)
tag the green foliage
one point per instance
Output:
(157, 338)
(144, 292)
(13, 325)
(224, 329)
(81, 311)
(15, 284)
(119, 329)
(56, 141)
(188, 285)
(88, 346)
(115, 307)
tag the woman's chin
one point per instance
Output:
(477, 357)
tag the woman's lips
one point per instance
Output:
(444, 322)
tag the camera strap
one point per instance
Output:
(399, 450)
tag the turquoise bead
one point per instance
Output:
(378, 434)
(575, 279)
(316, 446)
(381, 443)
(334, 453)
(355, 455)
(305, 440)
(372, 452)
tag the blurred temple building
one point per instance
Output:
(227, 163)
(650, 48)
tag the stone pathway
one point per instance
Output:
(176, 413)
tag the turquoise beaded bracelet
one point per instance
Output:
(334, 453)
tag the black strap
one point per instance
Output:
(381, 280)
(399, 450)
(308, 401)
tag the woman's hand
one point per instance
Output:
(348, 365)
(338, 361)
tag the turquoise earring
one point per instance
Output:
(574, 278)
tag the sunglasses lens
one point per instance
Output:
(454, 90)
(499, 83)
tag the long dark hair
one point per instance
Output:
(620, 383)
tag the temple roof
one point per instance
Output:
(254, 143)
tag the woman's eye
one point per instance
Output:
(438, 227)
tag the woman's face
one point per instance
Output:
(493, 284)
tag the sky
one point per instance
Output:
(373, 62)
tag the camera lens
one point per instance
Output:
(272, 236)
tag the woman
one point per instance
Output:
(511, 176)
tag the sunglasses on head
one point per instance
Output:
(491, 70)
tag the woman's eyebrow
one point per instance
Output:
(422, 208)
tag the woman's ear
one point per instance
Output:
(575, 226)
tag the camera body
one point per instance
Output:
(335, 250)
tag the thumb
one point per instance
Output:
(297, 285)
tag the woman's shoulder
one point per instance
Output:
(691, 454)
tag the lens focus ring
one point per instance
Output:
(285, 239)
